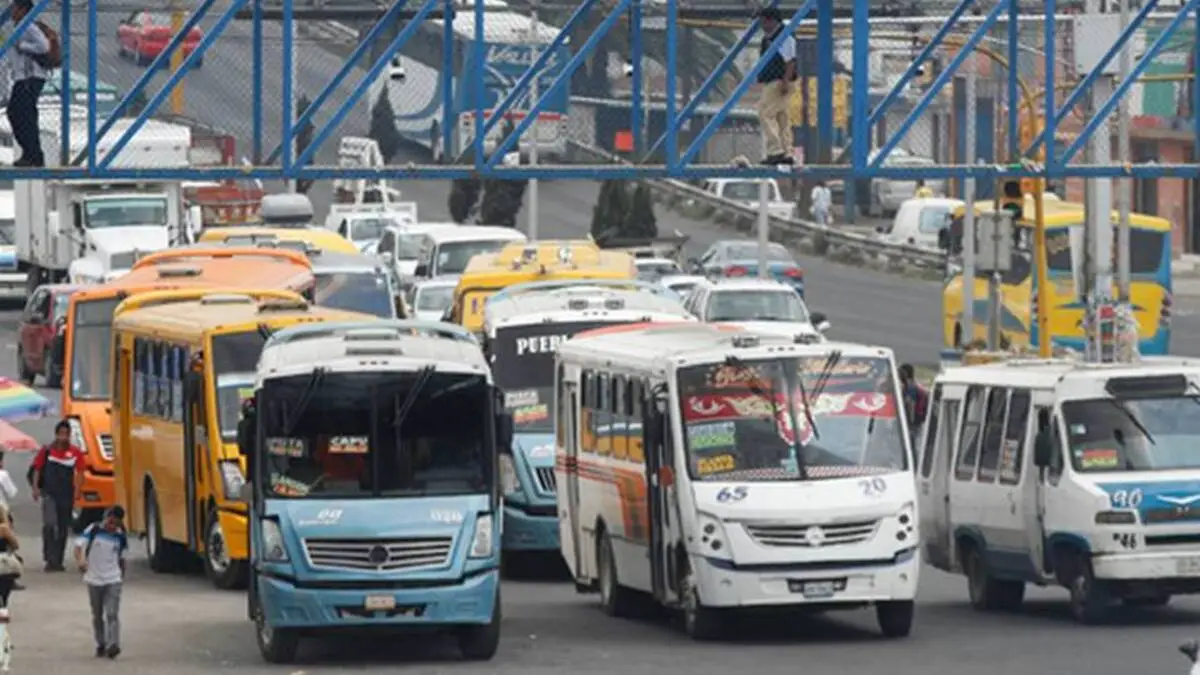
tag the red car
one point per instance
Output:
(40, 334)
(144, 35)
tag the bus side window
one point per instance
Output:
(931, 431)
(620, 424)
(633, 409)
(972, 433)
(560, 405)
(140, 370)
(1015, 431)
(603, 415)
(178, 366)
(165, 388)
(588, 403)
(993, 435)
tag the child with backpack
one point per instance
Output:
(100, 555)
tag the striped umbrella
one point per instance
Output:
(18, 402)
(14, 440)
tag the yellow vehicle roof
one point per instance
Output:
(324, 240)
(222, 311)
(545, 258)
(1060, 213)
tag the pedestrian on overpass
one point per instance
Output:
(57, 481)
(100, 556)
(776, 84)
(822, 204)
(27, 69)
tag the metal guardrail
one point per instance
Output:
(831, 242)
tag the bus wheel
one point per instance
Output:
(277, 645)
(614, 598)
(895, 617)
(1089, 602)
(159, 551)
(224, 572)
(699, 622)
(479, 643)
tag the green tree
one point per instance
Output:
(464, 199)
(304, 138)
(502, 202)
(609, 213)
(383, 125)
(639, 220)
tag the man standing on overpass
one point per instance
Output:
(776, 78)
(28, 76)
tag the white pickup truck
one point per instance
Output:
(745, 190)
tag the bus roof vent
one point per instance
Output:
(178, 272)
(226, 299)
(374, 350)
(279, 305)
(614, 303)
(577, 303)
(371, 335)
(807, 339)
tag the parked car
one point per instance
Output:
(746, 191)
(143, 35)
(919, 221)
(757, 304)
(40, 334)
(652, 269)
(739, 258)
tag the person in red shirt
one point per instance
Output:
(57, 481)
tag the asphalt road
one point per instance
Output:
(863, 306)
(180, 625)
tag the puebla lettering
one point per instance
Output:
(540, 344)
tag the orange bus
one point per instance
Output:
(87, 360)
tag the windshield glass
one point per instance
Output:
(61, 302)
(747, 190)
(232, 390)
(733, 432)
(775, 253)
(125, 212)
(781, 305)
(453, 256)
(659, 268)
(8, 232)
(408, 246)
(234, 353)
(934, 219)
(365, 229)
(90, 336)
(337, 435)
(1151, 434)
(522, 359)
(434, 298)
(365, 292)
(1145, 250)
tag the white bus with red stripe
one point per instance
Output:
(714, 468)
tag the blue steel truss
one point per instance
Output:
(478, 160)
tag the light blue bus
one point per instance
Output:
(415, 82)
(372, 455)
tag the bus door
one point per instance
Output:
(660, 482)
(570, 533)
(195, 442)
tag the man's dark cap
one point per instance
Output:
(771, 13)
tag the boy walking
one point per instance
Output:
(100, 555)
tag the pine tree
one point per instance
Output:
(304, 138)
(502, 202)
(640, 221)
(610, 212)
(464, 199)
(383, 125)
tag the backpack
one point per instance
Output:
(53, 56)
(93, 530)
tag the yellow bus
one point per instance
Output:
(284, 237)
(184, 362)
(523, 262)
(1150, 288)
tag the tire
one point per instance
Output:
(224, 573)
(23, 371)
(277, 645)
(160, 552)
(479, 643)
(895, 618)
(1089, 602)
(615, 599)
(53, 378)
(989, 594)
(699, 622)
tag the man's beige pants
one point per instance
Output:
(774, 121)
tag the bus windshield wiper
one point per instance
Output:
(310, 389)
(406, 406)
(1132, 418)
(757, 390)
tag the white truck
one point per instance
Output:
(92, 231)
(356, 197)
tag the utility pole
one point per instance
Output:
(178, 16)
(1124, 153)
(533, 97)
(968, 243)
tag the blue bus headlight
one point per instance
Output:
(274, 549)
(483, 541)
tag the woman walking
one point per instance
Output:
(10, 564)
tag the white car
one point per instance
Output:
(650, 269)
(365, 230)
(682, 284)
(758, 304)
(428, 300)
(746, 191)
(400, 246)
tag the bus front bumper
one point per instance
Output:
(471, 602)
(525, 531)
(724, 585)
(99, 491)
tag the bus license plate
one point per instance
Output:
(380, 602)
(815, 589)
(1188, 566)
